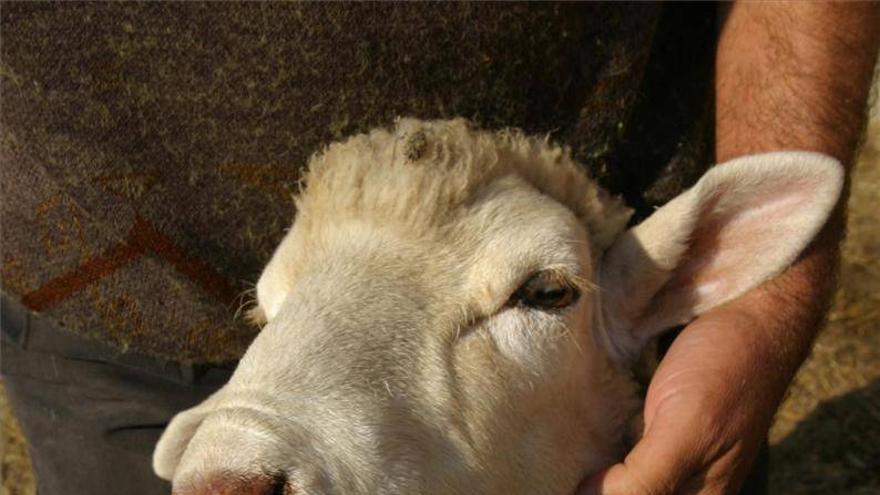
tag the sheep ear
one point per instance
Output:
(176, 437)
(743, 223)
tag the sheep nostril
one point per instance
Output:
(232, 484)
(279, 486)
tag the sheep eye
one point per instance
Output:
(545, 290)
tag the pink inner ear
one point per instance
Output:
(743, 223)
(735, 247)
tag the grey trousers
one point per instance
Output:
(92, 415)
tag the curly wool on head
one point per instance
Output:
(419, 172)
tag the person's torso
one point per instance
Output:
(151, 150)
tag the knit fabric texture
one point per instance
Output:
(149, 150)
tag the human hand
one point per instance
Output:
(708, 407)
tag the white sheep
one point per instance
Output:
(456, 312)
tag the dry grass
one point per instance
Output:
(826, 439)
(15, 465)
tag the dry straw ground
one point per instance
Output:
(826, 440)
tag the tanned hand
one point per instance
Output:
(789, 76)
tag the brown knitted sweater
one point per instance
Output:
(149, 151)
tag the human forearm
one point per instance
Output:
(789, 76)
(795, 76)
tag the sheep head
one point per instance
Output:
(455, 311)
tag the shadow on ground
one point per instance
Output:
(820, 455)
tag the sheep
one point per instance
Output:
(457, 311)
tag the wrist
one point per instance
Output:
(779, 320)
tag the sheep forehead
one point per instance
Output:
(419, 181)
(422, 173)
(474, 259)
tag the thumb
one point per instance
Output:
(658, 465)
